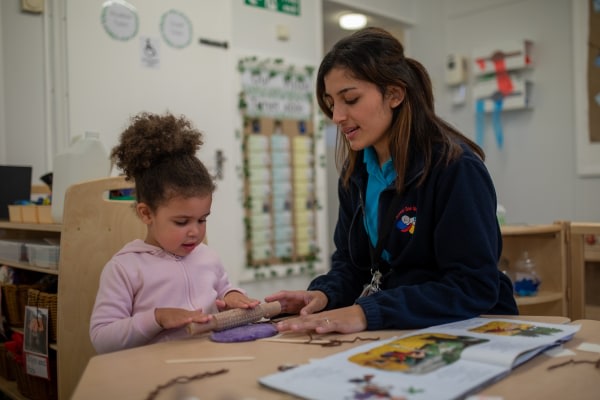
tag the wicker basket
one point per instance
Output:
(15, 300)
(36, 298)
(7, 366)
(34, 387)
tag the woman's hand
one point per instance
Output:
(343, 320)
(301, 302)
(169, 318)
(235, 299)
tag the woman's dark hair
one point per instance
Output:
(159, 153)
(376, 56)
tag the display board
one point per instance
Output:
(279, 165)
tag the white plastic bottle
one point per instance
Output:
(85, 159)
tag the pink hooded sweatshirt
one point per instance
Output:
(142, 277)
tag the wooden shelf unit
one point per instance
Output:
(15, 230)
(547, 246)
(93, 229)
(584, 271)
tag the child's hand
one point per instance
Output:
(169, 318)
(303, 302)
(235, 299)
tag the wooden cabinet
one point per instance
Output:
(584, 271)
(547, 246)
(26, 232)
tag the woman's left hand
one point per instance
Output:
(343, 320)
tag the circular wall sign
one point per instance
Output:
(176, 29)
(120, 19)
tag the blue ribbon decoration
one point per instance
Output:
(479, 121)
(496, 121)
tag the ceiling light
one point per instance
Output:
(353, 21)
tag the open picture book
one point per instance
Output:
(441, 362)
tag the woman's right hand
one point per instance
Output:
(301, 302)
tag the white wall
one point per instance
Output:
(22, 131)
(535, 173)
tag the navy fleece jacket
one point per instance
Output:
(444, 246)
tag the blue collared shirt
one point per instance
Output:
(379, 179)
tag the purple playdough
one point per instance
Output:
(244, 333)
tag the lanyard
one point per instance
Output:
(376, 253)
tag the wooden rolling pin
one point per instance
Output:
(235, 317)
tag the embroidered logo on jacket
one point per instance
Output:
(406, 219)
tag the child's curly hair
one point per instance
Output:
(158, 152)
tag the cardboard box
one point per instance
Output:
(44, 214)
(14, 213)
(29, 214)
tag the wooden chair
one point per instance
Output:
(94, 228)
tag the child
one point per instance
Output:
(151, 289)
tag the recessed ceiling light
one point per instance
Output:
(353, 21)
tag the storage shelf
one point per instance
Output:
(540, 298)
(15, 226)
(517, 230)
(546, 244)
(28, 267)
(31, 227)
(9, 388)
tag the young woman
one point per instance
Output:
(151, 289)
(417, 238)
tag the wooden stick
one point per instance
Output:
(208, 359)
(302, 341)
(235, 317)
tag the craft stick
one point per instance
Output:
(208, 359)
(235, 317)
(302, 341)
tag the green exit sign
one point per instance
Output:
(291, 7)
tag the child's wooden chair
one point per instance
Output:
(94, 229)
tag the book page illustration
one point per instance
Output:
(441, 362)
(418, 354)
(504, 328)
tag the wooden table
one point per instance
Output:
(135, 373)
